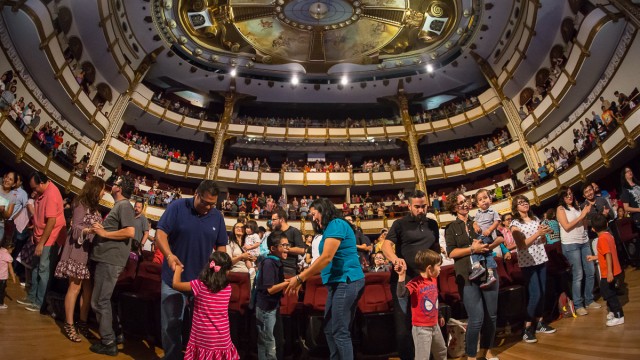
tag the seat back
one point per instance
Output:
(376, 296)
(148, 279)
(128, 274)
(503, 275)
(288, 304)
(513, 269)
(448, 286)
(558, 263)
(315, 294)
(240, 291)
(625, 230)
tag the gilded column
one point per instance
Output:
(220, 136)
(115, 124)
(412, 141)
(511, 112)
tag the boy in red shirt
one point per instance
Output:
(423, 291)
(609, 269)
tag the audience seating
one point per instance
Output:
(513, 269)
(629, 239)
(238, 304)
(139, 308)
(312, 333)
(375, 321)
(512, 299)
(449, 292)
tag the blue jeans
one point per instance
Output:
(172, 304)
(580, 268)
(41, 274)
(490, 262)
(536, 279)
(482, 308)
(339, 311)
(268, 323)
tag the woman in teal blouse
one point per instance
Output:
(339, 267)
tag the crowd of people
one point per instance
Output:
(448, 109)
(270, 253)
(499, 138)
(303, 122)
(163, 151)
(543, 89)
(586, 136)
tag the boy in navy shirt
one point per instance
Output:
(269, 286)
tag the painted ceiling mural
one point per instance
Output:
(317, 34)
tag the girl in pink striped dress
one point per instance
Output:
(210, 337)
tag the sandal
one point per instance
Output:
(83, 329)
(71, 333)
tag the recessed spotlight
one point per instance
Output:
(295, 80)
(344, 80)
(429, 68)
(233, 72)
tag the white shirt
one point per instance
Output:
(315, 247)
(578, 235)
(535, 253)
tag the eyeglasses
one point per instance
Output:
(285, 246)
(460, 203)
(508, 219)
(522, 202)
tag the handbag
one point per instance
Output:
(457, 331)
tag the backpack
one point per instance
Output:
(254, 288)
(565, 307)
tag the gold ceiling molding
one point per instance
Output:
(317, 34)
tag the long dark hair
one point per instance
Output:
(623, 181)
(90, 194)
(216, 280)
(562, 193)
(233, 234)
(328, 211)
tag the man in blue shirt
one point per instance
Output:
(188, 231)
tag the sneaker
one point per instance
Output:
(610, 315)
(32, 307)
(24, 301)
(100, 348)
(545, 329)
(615, 321)
(3, 306)
(490, 281)
(529, 335)
(476, 273)
(582, 311)
(594, 305)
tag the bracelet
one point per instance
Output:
(169, 256)
(299, 279)
(471, 249)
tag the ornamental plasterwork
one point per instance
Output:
(315, 34)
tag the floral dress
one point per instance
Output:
(75, 254)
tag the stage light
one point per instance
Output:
(295, 80)
(233, 72)
(344, 80)
(429, 68)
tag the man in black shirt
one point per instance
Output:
(363, 244)
(298, 247)
(410, 234)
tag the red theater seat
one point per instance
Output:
(448, 286)
(315, 294)
(376, 296)
(629, 238)
(503, 275)
(240, 291)
(513, 269)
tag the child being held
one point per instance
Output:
(423, 290)
(486, 222)
(210, 337)
(6, 269)
(609, 269)
(252, 241)
(269, 285)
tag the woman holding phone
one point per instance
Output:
(530, 235)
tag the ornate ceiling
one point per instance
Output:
(317, 36)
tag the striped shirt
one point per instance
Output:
(210, 329)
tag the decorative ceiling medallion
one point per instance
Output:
(317, 34)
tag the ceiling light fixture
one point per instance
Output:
(429, 68)
(344, 80)
(295, 80)
(233, 72)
